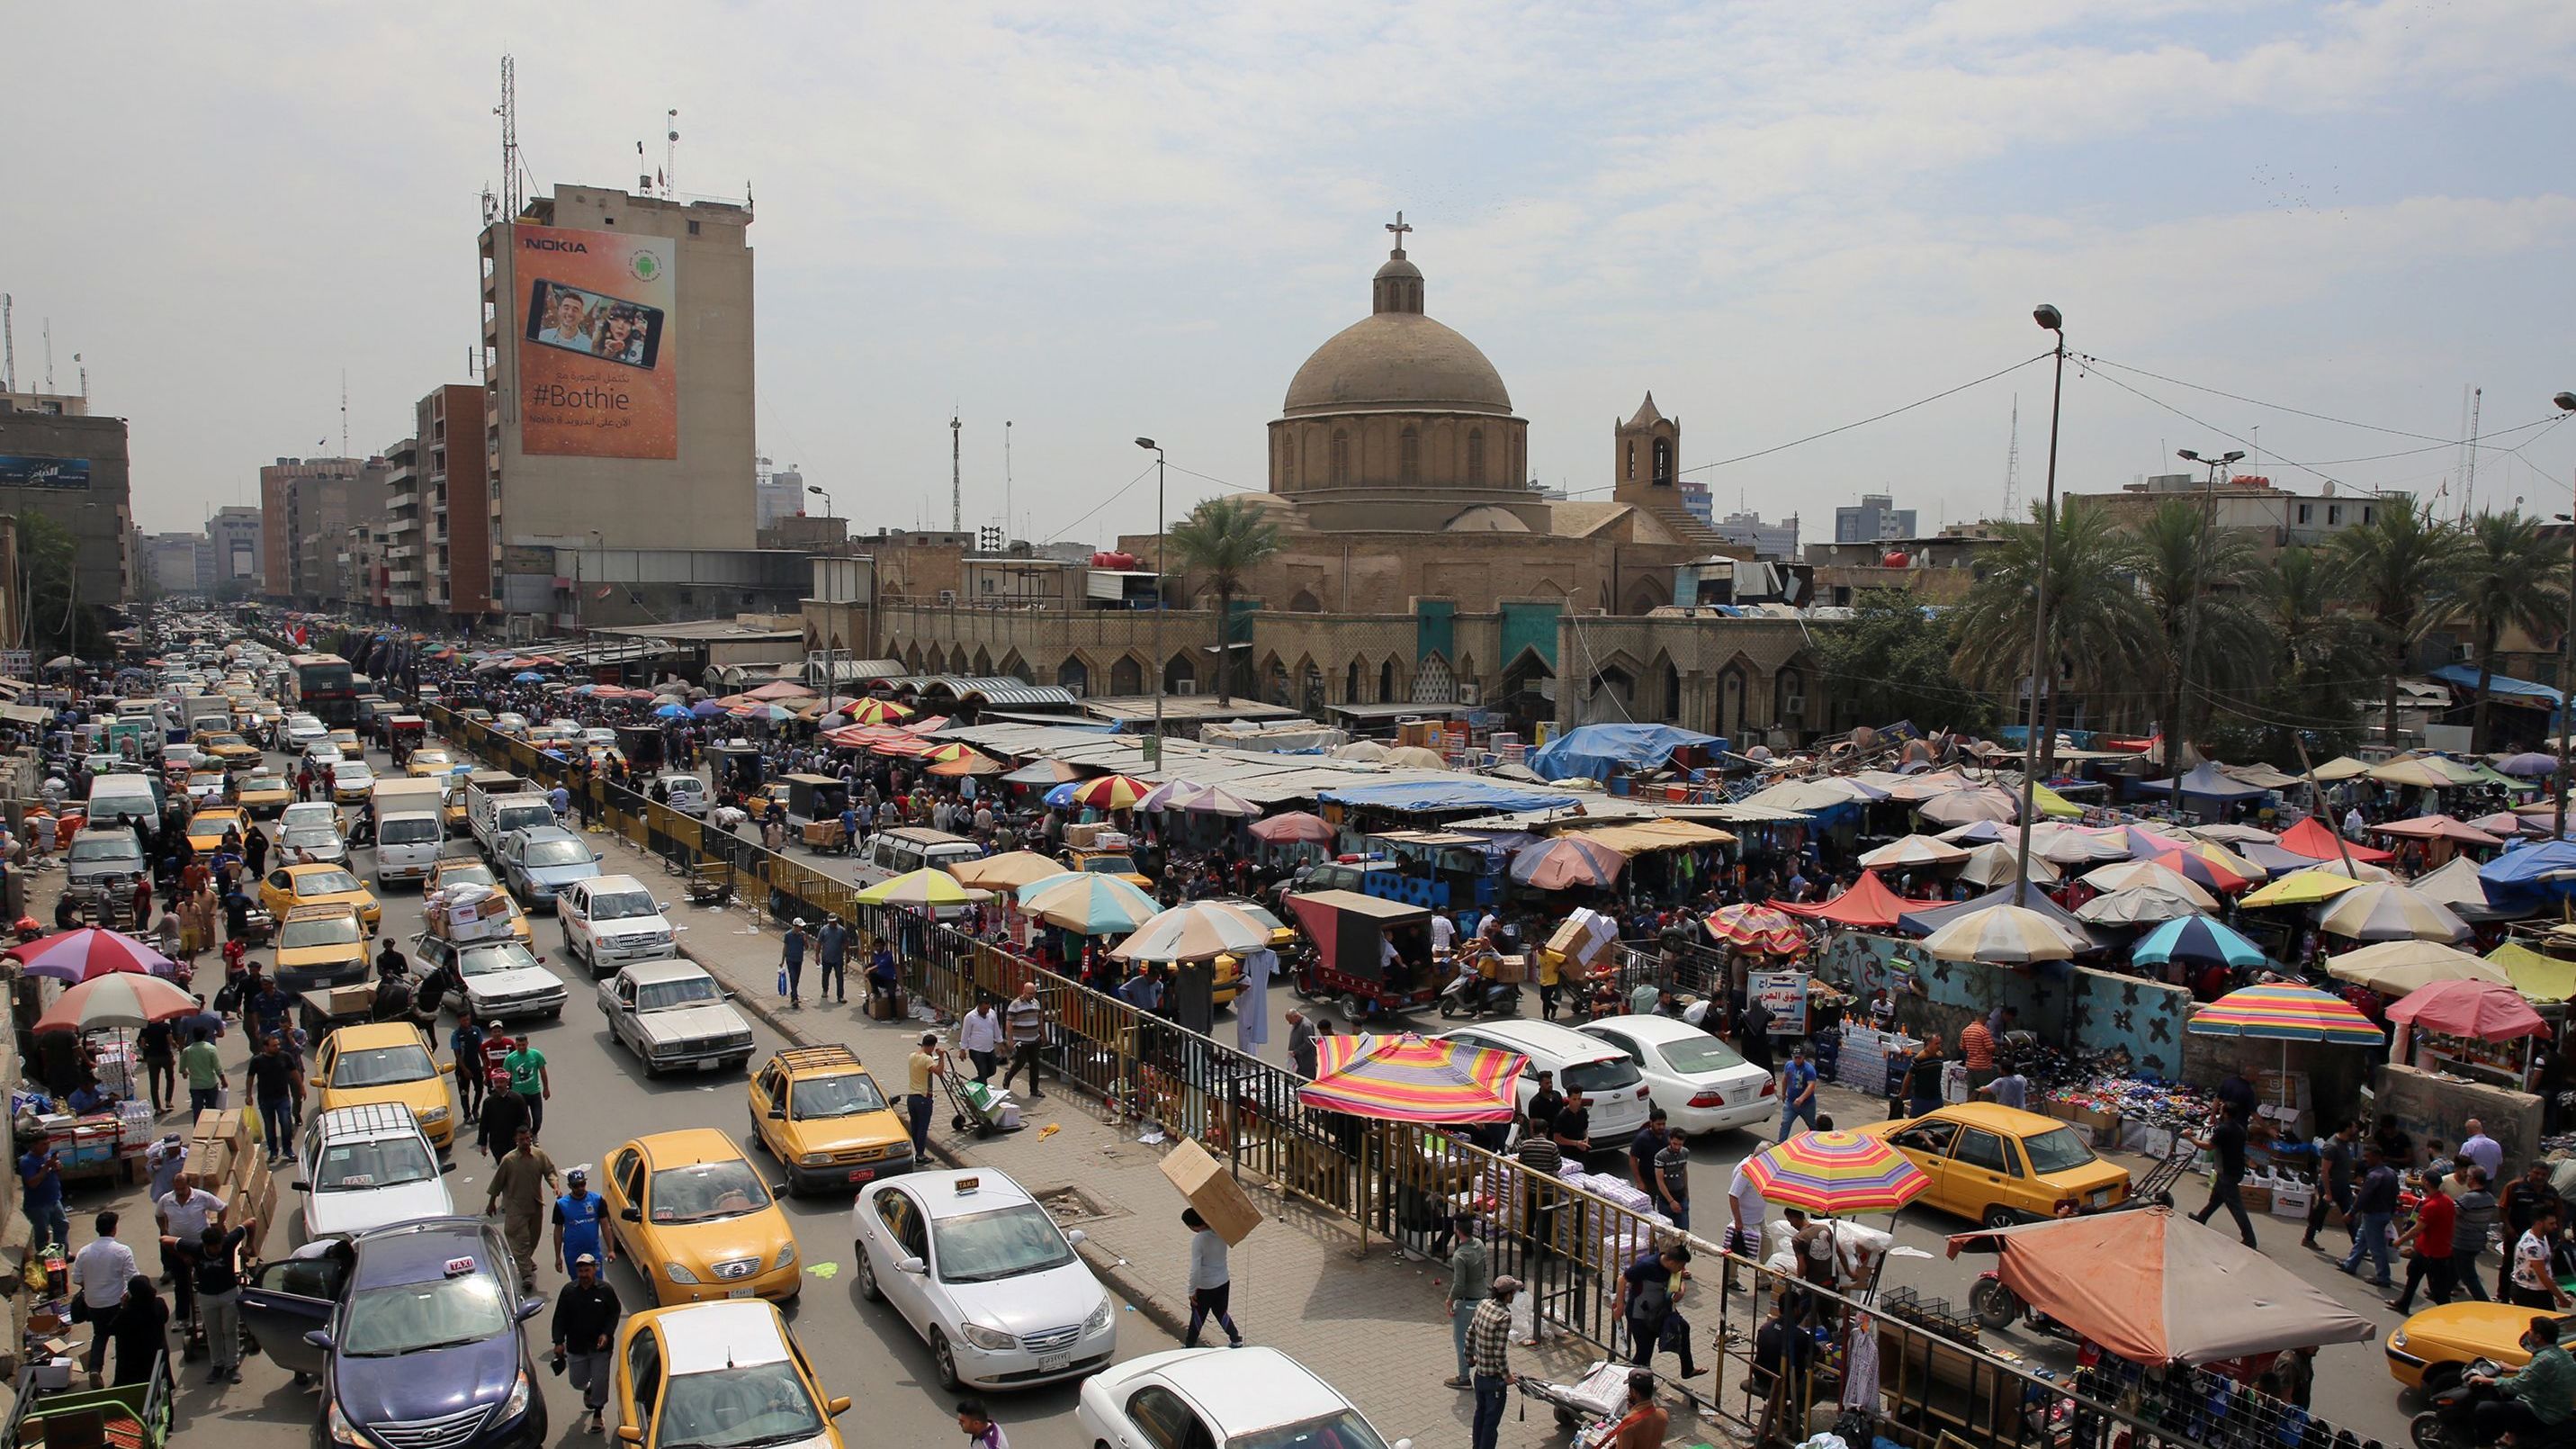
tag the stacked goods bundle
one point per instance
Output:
(225, 1158)
(1870, 1059)
(468, 913)
(133, 1125)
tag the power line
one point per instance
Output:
(1873, 418)
(1103, 503)
(2280, 407)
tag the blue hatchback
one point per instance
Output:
(415, 1332)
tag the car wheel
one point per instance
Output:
(2000, 1216)
(868, 1288)
(943, 1359)
(2439, 1377)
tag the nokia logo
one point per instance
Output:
(549, 244)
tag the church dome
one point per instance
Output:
(1486, 518)
(1397, 359)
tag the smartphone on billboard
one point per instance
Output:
(594, 324)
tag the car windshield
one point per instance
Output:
(382, 1066)
(1601, 1076)
(105, 847)
(212, 826)
(309, 837)
(333, 930)
(621, 906)
(351, 771)
(2056, 1150)
(678, 991)
(413, 1317)
(471, 873)
(1693, 1056)
(736, 1408)
(1003, 1243)
(501, 956)
(325, 883)
(704, 1191)
(407, 832)
(1342, 1430)
(1110, 864)
(845, 1095)
(360, 1166)
(257, 783)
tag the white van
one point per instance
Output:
(900, 852)
(124, 799)
(1615, 1091)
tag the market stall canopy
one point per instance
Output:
(2456, 884)
(1932, 918)
(2536, 975)
(1983, 802)
(1599, 751)
(2206, 781)
(1808, 796)
(1868, 904)
(1198, 931)
(2135, 906)
(127, 1000)
(1647, 836)
(1416, 757)
(2264, 776)
(2506, 825)
(2054, 806)
(2073, 845)
(2143, 1284)
(2547, 866)
(1459, 793)
(88, 953)
(2340, 768)
(1192, 798)
(2479, 1010)
(2529, 765)
(1757, 929)
(2311, 838)
(1989, 865)
(1010, 870)
(2383, 911)
(1913, 852)
(2394, 968)
(2004, 935)
(1565, 862)
(1916, 789)
(2285, 1013)
(2436, 827)
(2148, 873)
(928, 886)
(1297, 825)
(1979, 832)
(1410, 1079)
(2431, 772)
(2299, 888)
(2214, 866)
(1042, 772)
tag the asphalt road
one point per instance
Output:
(600, 1100)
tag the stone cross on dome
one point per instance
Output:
(1398, 227)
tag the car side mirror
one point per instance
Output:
(530, 1307)
(446, 1167)
(629, 1434)
(1076, 1237)
(910, 1264)
(449, 1068)
(320, 1338)
(631, 1214)
(780, 1189)
(836, 1407)
(301, 1186)
(779, 1113)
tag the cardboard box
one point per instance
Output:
(2279, 1088)
(1219, 1198)
(210, 1163)
(1584, 936)
(2105, 1125)
(2257, 1199)
(1511, 970)
(823, 834)
(351, 1000)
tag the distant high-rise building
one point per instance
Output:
(59, 463)
(169, 563)
(436, 546)
(233, 540)
(1876, 518)
(1767, 540)
(306, 506)
(1695, 499)
(778, 493)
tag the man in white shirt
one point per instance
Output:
(1443, 932)
(2535, 1286)
(2483, 1150)
(1745, 1213)
(981, 1035)
(100, 1272)
(185, 1212)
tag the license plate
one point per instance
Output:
(1056, 1364)
(862, 1174)
(710, 1064)
(737, 1293)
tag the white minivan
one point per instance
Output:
(124, 799)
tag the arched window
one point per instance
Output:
(1663, 462)
(1351, 683)
(1305, 603)
(1179, 676)
(1287, 459)
(1631, 465)
(1408, 467)
(1475, 457)
(1126, 677)
(1341, 458)
(1792, 687)
(1314, 700)
(1433, 683)
(1386, 682)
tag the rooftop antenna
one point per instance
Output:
(84, 376)
(8, 345)
(2012, 464)
(2469, 473)
(956, 488)
(1006, 483)
(344, 412)
(49, 354)
(670, 152)
(508, 111)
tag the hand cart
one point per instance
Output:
(972, 1103)
(1599, 1395)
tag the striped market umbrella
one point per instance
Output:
(878, 711)
(1111, 792)
(942, 754)
(1758, 928)
(1835, 1172)
(924, 887)
(1409, 1079)
(1198, 931)
(1554, 865)
(2132, 873)
(2380, 911)
(2280, 1012)
(2199, 941)
(1914, 852)
(119, 999)
(2003, 936)
(1191, 798)
(2207, 865)
(1088, 903)
(89, 953)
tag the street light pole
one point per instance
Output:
(2054, 321)
(2567, 658)
(2191, 624)
(827, 499)
(1160, 602)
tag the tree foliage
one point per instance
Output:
(2101, 630)
(1222, 540)
(1892, 661)
(59, 620)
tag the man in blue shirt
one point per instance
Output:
(831, 953)
(41, 1174)
(791, 962)
(849, 829)
(1144, 990)
(1797, 1092)
(579, 1215)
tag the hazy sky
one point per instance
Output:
(1103, 220)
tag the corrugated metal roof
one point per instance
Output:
(1000, 689)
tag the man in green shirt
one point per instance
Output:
(2536, 1398)
(527, 1068)
(205, 1072)
(1471, 1281)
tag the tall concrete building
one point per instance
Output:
(617, 332)
(778, 493)
(306, 505)
(233, 538)
(58, 462)
(169, 563)
(1767, 540)
(1876, 518)
(437, 541)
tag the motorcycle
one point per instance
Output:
(1997, 1307)
(1472, 994)
(2451, 1422)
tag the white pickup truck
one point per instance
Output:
(410, 827)
(497, 803)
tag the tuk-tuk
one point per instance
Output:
(642, 745)
(813, 797)
(1455, 864)
(405, 733)
(1348, 934)
(735, 763)
(133, 738)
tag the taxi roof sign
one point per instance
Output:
(458, 1267)
(965, 1185)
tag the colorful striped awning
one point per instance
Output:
(1111, 792)
(1410, 1079)
(2285, 1013)
(1835, 1172)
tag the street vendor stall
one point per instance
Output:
(2464, 1051)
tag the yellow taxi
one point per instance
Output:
(2431, 1349)
(206, 828)
(2000, 1165)
(692, 1204)
(236, 753)
(347, 742)
(429, 763)
(311, 885)
(470, 870)
(386, 1061)
(264, 793)
(321, 946)
(721, 1373)
(353, 781)
(1108, 862)
(825, 1119)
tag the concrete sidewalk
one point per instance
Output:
(1377, 1327)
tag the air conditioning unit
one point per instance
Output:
(2465, 653)
(1185, 686)
(1793, 707)
(1469, 694)
(947, 596)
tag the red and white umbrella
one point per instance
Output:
(119, 999)
(89, 953)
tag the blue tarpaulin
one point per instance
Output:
(2503, 685)
(1426, 796)
(2530, 868)
(1602, 750)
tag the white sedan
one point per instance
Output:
(1249, 1398)
(981, 1271)
(1699, 1081)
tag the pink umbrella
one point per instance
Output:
(117, 999)
(1302, 825)
(89, 953)
(1567, 860)
(2480, 1010)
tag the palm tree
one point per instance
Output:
(2316, 649)
(1224, 539)
(2099, 626)
(2398, 567)
(2506, 576)
(2198, 580)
